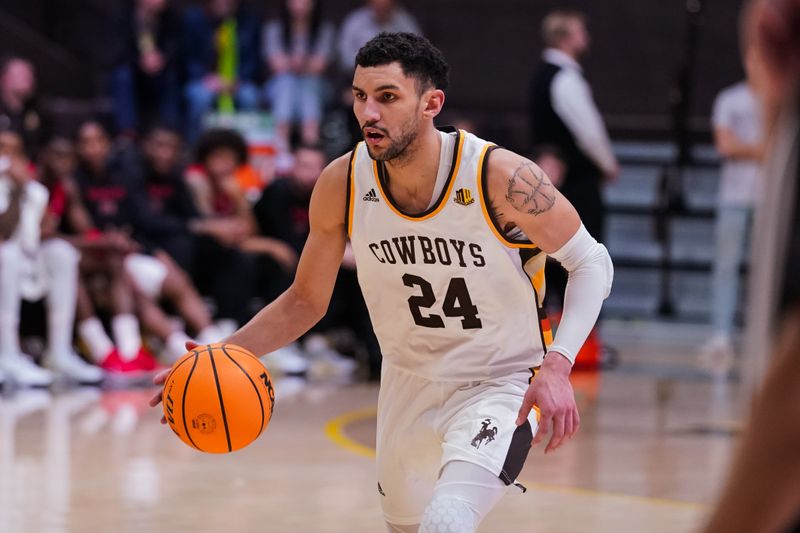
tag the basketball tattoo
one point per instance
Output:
(529, 190)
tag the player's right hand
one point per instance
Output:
(161, 377)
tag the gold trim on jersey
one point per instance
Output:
(484, 203)
(442, 201)
(543, 322)
(351, 181)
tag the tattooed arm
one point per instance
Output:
(521, 196)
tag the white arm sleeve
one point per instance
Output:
(590, 276)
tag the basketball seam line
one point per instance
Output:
(260, 401)
(233, 348)
(183, 402)
(171, 372)
(221, 403)
(175, 368)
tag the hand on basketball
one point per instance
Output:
(551, 393)
(161, 377)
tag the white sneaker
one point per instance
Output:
(210, 335)
(326, 360)
(225, 328)
(73, 367)
(288, 360)
(717, 355)
(22, 370)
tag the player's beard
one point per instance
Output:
(398, 146)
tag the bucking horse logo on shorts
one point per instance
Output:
(486, 433)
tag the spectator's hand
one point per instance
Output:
(551, 392)
(612, 175)
(121, 242)
(316, 66)
(152, 62)
(213, 83)
(285, 256)
(228, 87)
(297, 63)
(19, 170)
(279, 63)
(228, 231)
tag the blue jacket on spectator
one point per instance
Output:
(199, 51)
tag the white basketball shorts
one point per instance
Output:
(423, 425)
(147, 273)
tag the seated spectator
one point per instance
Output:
(115, 210)
(297, 48)
(169, 227)
(145, 72)
(363, 24)
(223, 270)
(220, 54)
(19, 110)
(172, 216)
(106, 227)
(34, 270)
(65, 212)
(282, 216)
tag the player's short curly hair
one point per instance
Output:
(417, 56)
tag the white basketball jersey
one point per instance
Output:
(450, 296)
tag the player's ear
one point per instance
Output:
(434, 101)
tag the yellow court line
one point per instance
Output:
(577, 491)
(334, 430)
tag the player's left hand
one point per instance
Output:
(551, 392)
(161, 377)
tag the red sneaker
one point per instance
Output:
(145, 361)
(113, 364)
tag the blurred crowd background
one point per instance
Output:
(158, 158)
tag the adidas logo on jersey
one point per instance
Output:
(464, 197)
(371, 196)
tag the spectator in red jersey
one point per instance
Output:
(116, 203)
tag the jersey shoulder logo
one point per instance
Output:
(371, 196)
(464, 197)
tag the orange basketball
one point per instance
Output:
(218, 398)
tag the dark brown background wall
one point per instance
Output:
(492, 46)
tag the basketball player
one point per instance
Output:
(450, 235)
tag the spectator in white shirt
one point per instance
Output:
(564, 115)
(739, 138)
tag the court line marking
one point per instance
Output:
(334, 430)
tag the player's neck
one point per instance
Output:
(414, 175)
